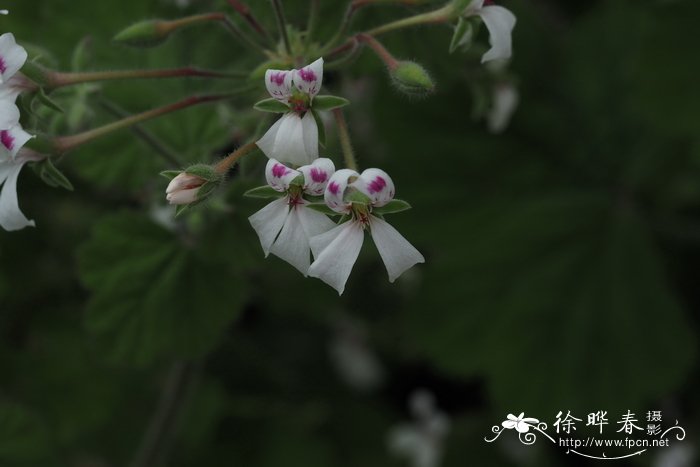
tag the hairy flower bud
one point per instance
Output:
(411, 78)
(184, 188)
(147, 33)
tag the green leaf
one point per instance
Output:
(52, 176)
(329, 102)
(321, 128)
(170, 174)
(271, 105)
(393, 206)
(463, 35)
(153, 296)
(264, 192)
(47, 101)
(322, 208)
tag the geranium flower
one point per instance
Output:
(293, 138)
(12, 58)
(11, 163)
(337, 250)
(286, 224)
(500, 23)
(521, 425)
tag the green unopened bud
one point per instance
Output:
(146, 33)
(411, 78)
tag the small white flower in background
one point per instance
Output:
(11, 217)
(500, 23)
(353, 358)
(12, 56)
(521, 423)
(677, 455)
(337, 250)
(293, 139)
(504, 101)
(421, 442)
(184, 188)
(286, 224)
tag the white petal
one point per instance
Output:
(335, 190)
(309, 78)
(184, 181)
(9, 113)
(268, 222)
(11, 218)
(292, 245)
(505, 101)
(316, 175)
(334, 262)
(284, 141)
(13, 139)
(279, 176)
(279, 84)
(310, 129)
(398, 255)
(10, 89)
(12, 56)
(313, 222)
(376, 184)
(182, 196)
(267, 142)
(500, 23)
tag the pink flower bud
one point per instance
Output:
(183, 189)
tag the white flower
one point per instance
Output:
(11, 218)
(12, 56)
(504, 102)
(293, 138)
(184, 188)
(421, 442)
(337, 250)
(521, 425)
(500, 23)
(286, 224)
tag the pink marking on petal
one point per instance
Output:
(489, 2)
(279, 171)
(376, 185)
(318, 175)
(6, 139)
(278, 78)
(307, 75)
(3, 66)
(334, 188)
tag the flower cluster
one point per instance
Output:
(292, 227)
(12, 136)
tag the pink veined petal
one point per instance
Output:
(292, 245)
(376, 184)
(310, 130)
(13, 139)
(316, 175)
(313, 222)
(268, 222)
(335, 190)
(11, 218)
(509, 424)
(336, 252)
(9, 114)
(279, 84)
(500, 23)
(398, 255)
(12, 56)
(309, 78)
(279, 176)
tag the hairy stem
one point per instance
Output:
(57, 79)
(225, 164)
(438, 16)
(381, 51)
(344, 136)
(282, 24)
(244, 10)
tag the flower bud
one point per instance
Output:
(147, 33)
(411, 78)
(184, 188)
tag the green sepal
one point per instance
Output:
(271, 105)
(42, 143)
(149, 33)
(205, 172)
(321, 128)
(412, 79)
(329, 102)
(47, 101)
(322, 208)
(81, 54)
(393, 206)
(463, 35)
(458, 6)
(35, 72)
(264, 192)
(357, 197)
(180, 208)
(50, 175)
(170, 174)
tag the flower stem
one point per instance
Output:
(57, 79)
(236, 31)
(344, 137)
(244, 10)
(225, 164)
(381, 51)
(64, 144)
(314, 9)
(342, 28)
(440, 15)
(282, 24)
